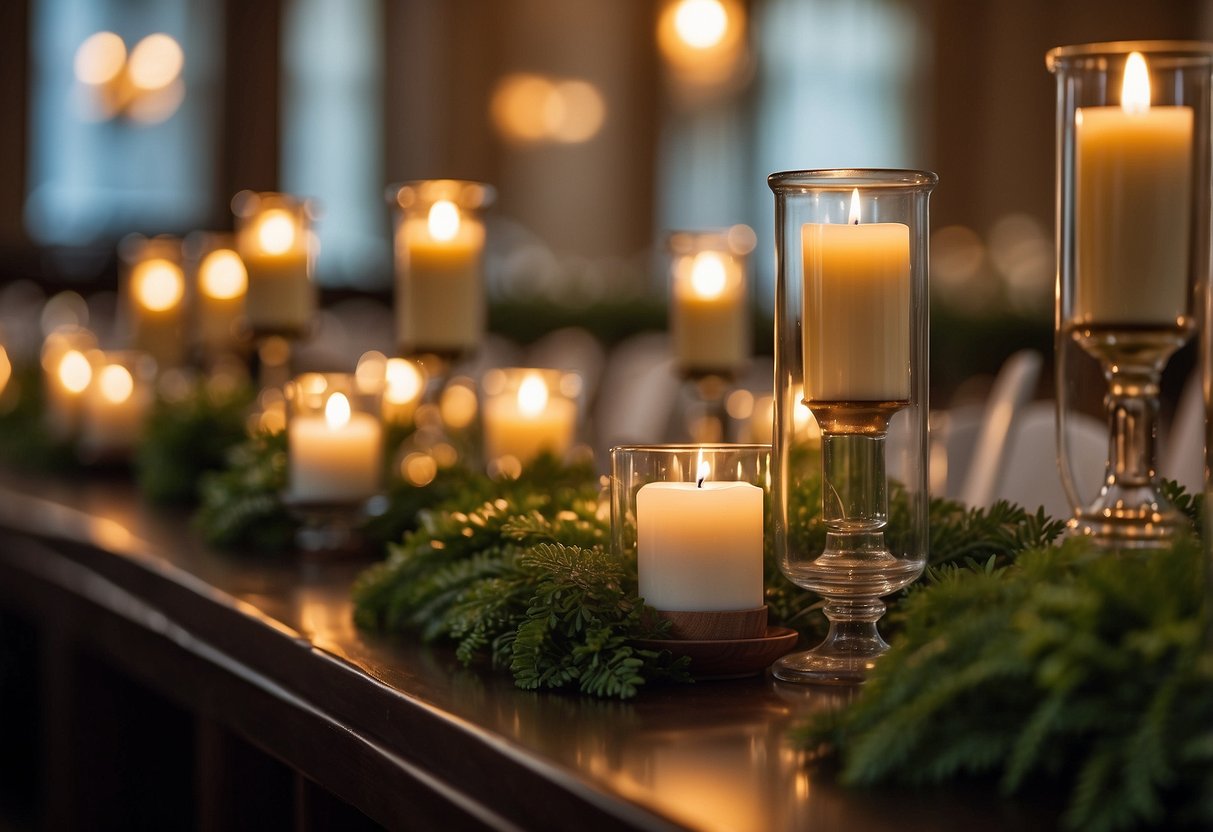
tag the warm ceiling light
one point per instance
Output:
(100, 59)
(156, 61)
(535, 108)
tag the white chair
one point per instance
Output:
(1183, 457)
(1031, 476)
(638, 393)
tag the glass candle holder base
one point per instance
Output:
(327, 530)
(848, 653)
(1129, 518)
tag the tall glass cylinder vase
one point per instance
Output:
(439, 245)
(709, 321)
(1133, 213)
(275, 241)
(851, 320)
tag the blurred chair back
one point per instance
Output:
(1032, 477)
(638, 393)
(1183, 458)
(1012, 390)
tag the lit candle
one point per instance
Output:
(1133, 171)
(67, 372)
(403, 384)
(115, 408)
(856, 310)
(524, 422)
(336, 457)
(222, 283)
(274, 243)
(157, 308)
(709, 312)
(439, 287)
(699, 545)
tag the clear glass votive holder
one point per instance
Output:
(218, 282)
(527, 412)
(335, 456)
(439, 242)
(275, 241)
(67, 371)
(154, 298)
(851, 324)
(709, 301)
(116, 404)
(1133, 255)
(693, 517)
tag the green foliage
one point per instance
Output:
(1069, 666)
(525, 580)
(25, 440)
(185, 439)
(241, 505)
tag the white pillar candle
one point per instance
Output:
(699, 545)
(281, 298)
(709, 312)
(66, 377)
(156, 304)
(403, 384)
(526, 422)
(439, 285)
(116, 405)
(856, 310)
(1133, 174)
(221, 289)
(336, 457)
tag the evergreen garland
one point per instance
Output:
(1072, 667)
(241, 505)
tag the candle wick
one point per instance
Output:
(700, 485)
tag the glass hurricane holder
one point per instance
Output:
(693, 518)
(153, 297)
(116, 405)
(218, 284)
(335, 457)
(67, 371)
(527, 412)
(275, 241)
(439, 239)
(709, 321)
(851, 322)
(1133, 213)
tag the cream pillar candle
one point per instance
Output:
(68, 372)
(527, 421)
(222, 283)
(403, 384)
(709, 312)
(439, 283)
(156, 304)
(699, 545)
(856, 310)
(336, 457)
(274, 244)
(1133, 181)
(115, 408)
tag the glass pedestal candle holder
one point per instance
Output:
(439, 245)
(1133, 202)
(709, 321)
(335, 457)
(276, 244)
(153, 297)
(693, 517)
(527, 412)
(851, 319)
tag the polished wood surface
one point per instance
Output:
(264, 655)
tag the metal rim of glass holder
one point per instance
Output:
(855, 352)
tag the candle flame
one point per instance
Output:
(337, 411)
(158, 284)
(116, 383)
(704, 468)
(276, 231)
(853, 219)
(444, 220)
(75, 372)
(222, 275)
(532, 395)
(1135, 89)
(708, 277)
